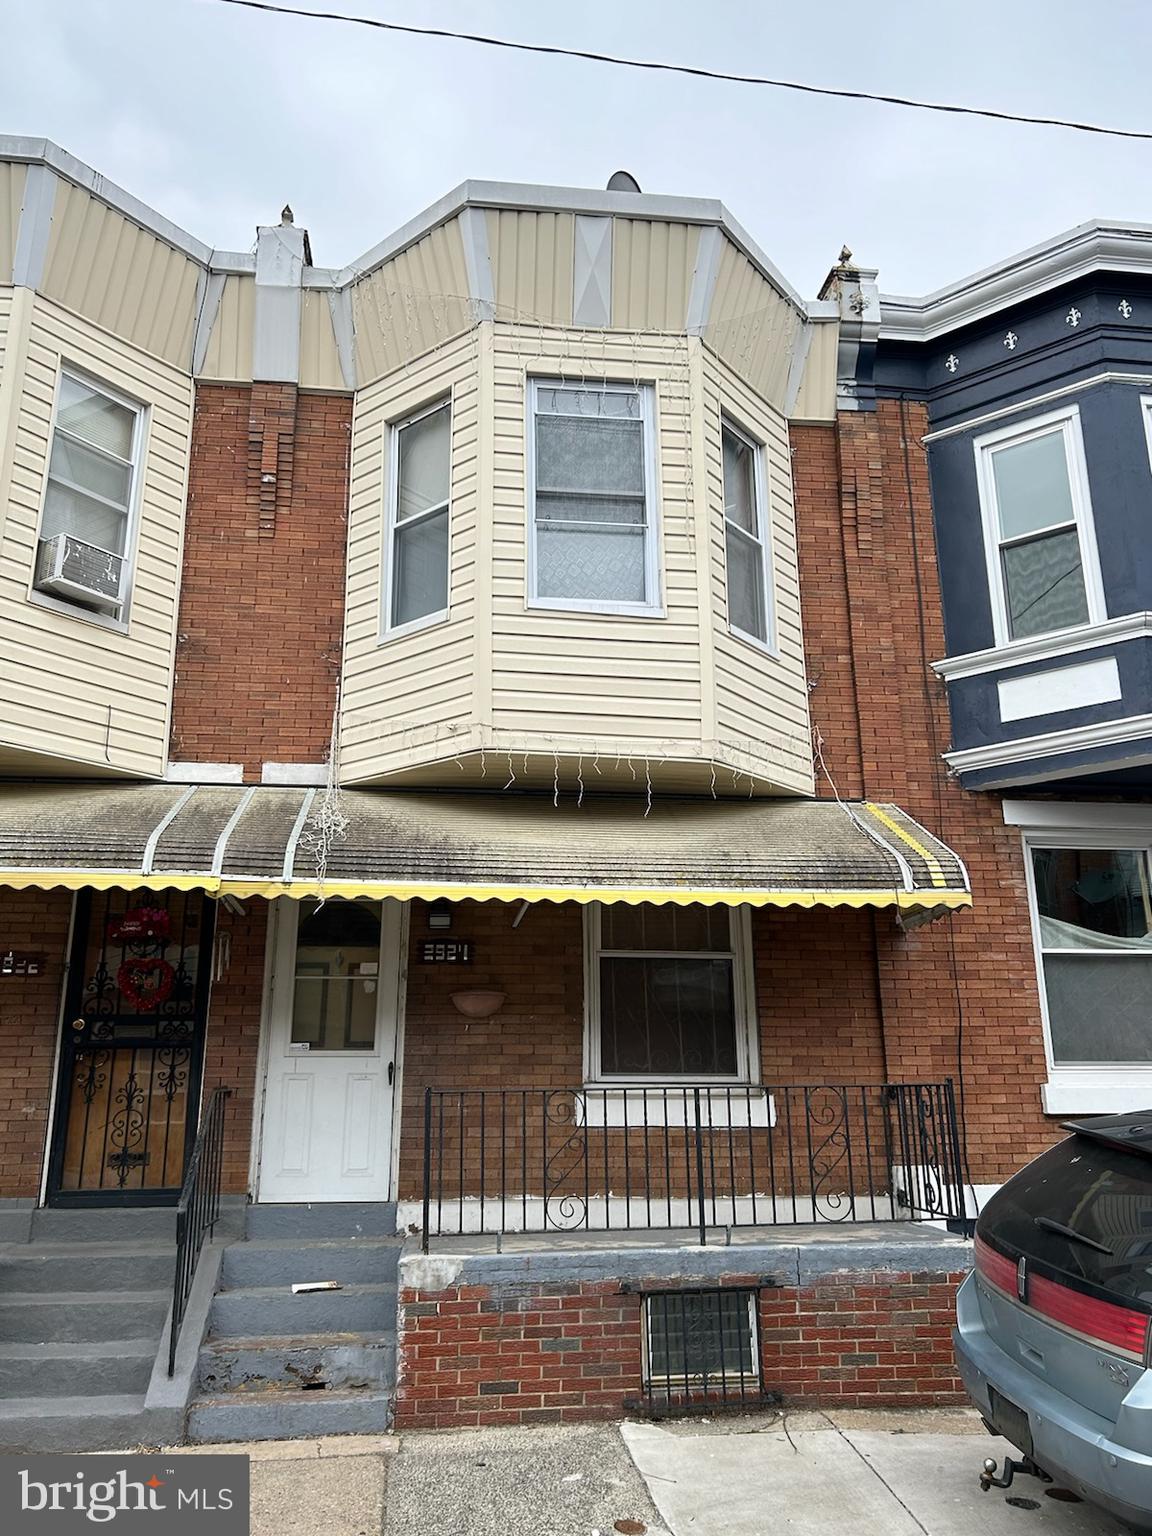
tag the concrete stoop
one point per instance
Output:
(75, 1363)
(280, 1366)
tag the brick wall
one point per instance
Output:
(35, 922)
(262, 593)
(233, 1034)
(546, 1353)
(959, 997)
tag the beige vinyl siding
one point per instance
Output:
(229, 352)
(585, 682)
(125, 280)
(12, 178)
(652, 267)
(70, 687)
(752, 326)
(531, 255)
(319, 359)
(761, 699)
(408, 700)
(412, 303)
(816, 400)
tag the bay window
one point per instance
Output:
(416, 581)
(592, 533)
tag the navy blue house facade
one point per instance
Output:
(1036, 377)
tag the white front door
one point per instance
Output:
(327, 1129)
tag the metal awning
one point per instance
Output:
(264, 841)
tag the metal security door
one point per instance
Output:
(132, 1051)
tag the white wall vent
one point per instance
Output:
(83, 573)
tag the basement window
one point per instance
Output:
(700, 1341)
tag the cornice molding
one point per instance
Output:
(1132, 626)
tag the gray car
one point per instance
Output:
(1053, 1332)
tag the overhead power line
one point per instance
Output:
(690, 69)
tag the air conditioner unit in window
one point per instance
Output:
(82, 573)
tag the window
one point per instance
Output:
(1093, 915)
(592, 527)
(745, 535)
(668, 994)
(1038, 528)
(703, 1338)
(417, 561)
(82, 554)
(337, 972)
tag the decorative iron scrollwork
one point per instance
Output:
(564, 1209)
(829, 1153)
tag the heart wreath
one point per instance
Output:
(145, 983)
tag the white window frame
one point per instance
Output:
(653, 607)
(1067, 422)
(754, 1334)
(1107, 1087)
(763, 512)
(388, 630)
(747, 1072)
(141, 412)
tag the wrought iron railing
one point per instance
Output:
(198, 1209)
(695, 1157)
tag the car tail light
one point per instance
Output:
(995, 1268)
(1102, 1321)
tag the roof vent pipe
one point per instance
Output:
(623, 181)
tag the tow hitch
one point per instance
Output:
(1027, 1467)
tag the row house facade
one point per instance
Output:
(540, 733)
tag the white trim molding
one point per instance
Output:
(1050, 647)
(1144, 380)
(294, 775)
(1078, 816)
(1105, 1090)
(1078, 252)
(205, 773)
(1080, 738)
(1058, 689)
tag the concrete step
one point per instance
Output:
(288, 1416)
(282, 1261)
(264, 1310)
(62, 1317)
(115, 1367)
(69, 1423)
(376, 1218)
(102, 1266)
(332, 1362)
(105, 1224)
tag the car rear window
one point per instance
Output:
(1100, 1191)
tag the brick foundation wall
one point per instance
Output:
(262, 590)
(959, 997)
(546, 1353)
(34, 922)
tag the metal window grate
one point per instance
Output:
(702, 1350)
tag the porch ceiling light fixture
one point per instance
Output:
(440, 915)
(478, 1003)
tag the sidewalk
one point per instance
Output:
(849, 1473)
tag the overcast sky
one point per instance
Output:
(216, 116)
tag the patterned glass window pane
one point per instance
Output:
(602, 565)
(705, 1334)
(420, 569)
(1044, 584)
(597, 454)
(95, 418)
(1032, 487)
(424, 464)
(667, 1016)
